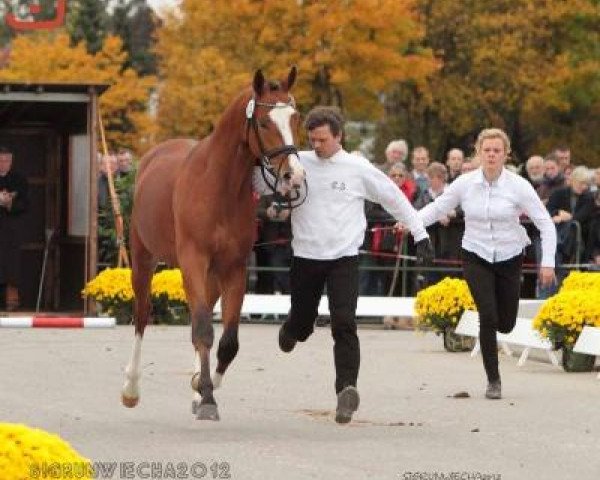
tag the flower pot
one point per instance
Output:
(454, 342)
(577, 362)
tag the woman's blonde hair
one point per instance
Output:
(488, 133)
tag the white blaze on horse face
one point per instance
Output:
(280, 116)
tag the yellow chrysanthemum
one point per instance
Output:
(32, 453)
(442, 304)
(562, 317)
(170, 284)
(582, 281)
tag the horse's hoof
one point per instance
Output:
(129, 402)
(195, 406)
(195, 382)
(208, 411)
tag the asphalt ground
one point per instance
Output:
(277, 409)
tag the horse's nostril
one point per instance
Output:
(287, 176)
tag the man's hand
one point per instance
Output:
(546, 277)
(424, 251)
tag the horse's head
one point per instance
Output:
(272, 130)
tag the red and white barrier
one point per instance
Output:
(57, 322)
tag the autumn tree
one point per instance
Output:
(528, 66)
(348, 53)
(47, 57)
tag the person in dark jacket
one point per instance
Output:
(13, 203)
(572, 204)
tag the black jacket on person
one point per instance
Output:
(561, 200)
(17, 184)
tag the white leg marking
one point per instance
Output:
(216, 380)
(131, 387)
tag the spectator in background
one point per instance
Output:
(382, 243)
(553, 179)
(420, 161)
(124, 162)
(105, 163)
(570, 204)
(563, 157)
(454, 161)
(596, 181)
(437, 175)
(14, 202)
(470, 164)
(567, 171)
(273, 250)
(535, 170)
(396, 151)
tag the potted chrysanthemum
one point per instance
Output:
(113, 293)
(563, 316)
(439, 308)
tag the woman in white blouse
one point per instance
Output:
(493, 199)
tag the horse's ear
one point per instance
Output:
(289, 83)
(258, 83)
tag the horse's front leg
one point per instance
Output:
(231, 302)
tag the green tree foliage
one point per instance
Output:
(135, 22)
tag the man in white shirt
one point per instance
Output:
(328, 229)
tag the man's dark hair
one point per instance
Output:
(4, 150)
(320, 116)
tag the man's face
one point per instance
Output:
(550, 169)
(325, 143)
(395, 155)
(563, 157)
(124, 161)
(454, 161)
(535, 168)
(420, 160)
(5, 163)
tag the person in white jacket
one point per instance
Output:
(328, 230)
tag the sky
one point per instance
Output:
(158, 4)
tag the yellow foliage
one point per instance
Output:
(348, 52)
(49, 57)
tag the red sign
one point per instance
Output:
(27, 16)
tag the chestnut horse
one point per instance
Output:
(193, 207)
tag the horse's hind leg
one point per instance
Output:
(142, 269)
(202, 292)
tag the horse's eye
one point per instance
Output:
(263, 124)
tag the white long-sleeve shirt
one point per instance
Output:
(492, 227)
(331, 223)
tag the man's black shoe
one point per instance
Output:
(286, 343)
(347, 404)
